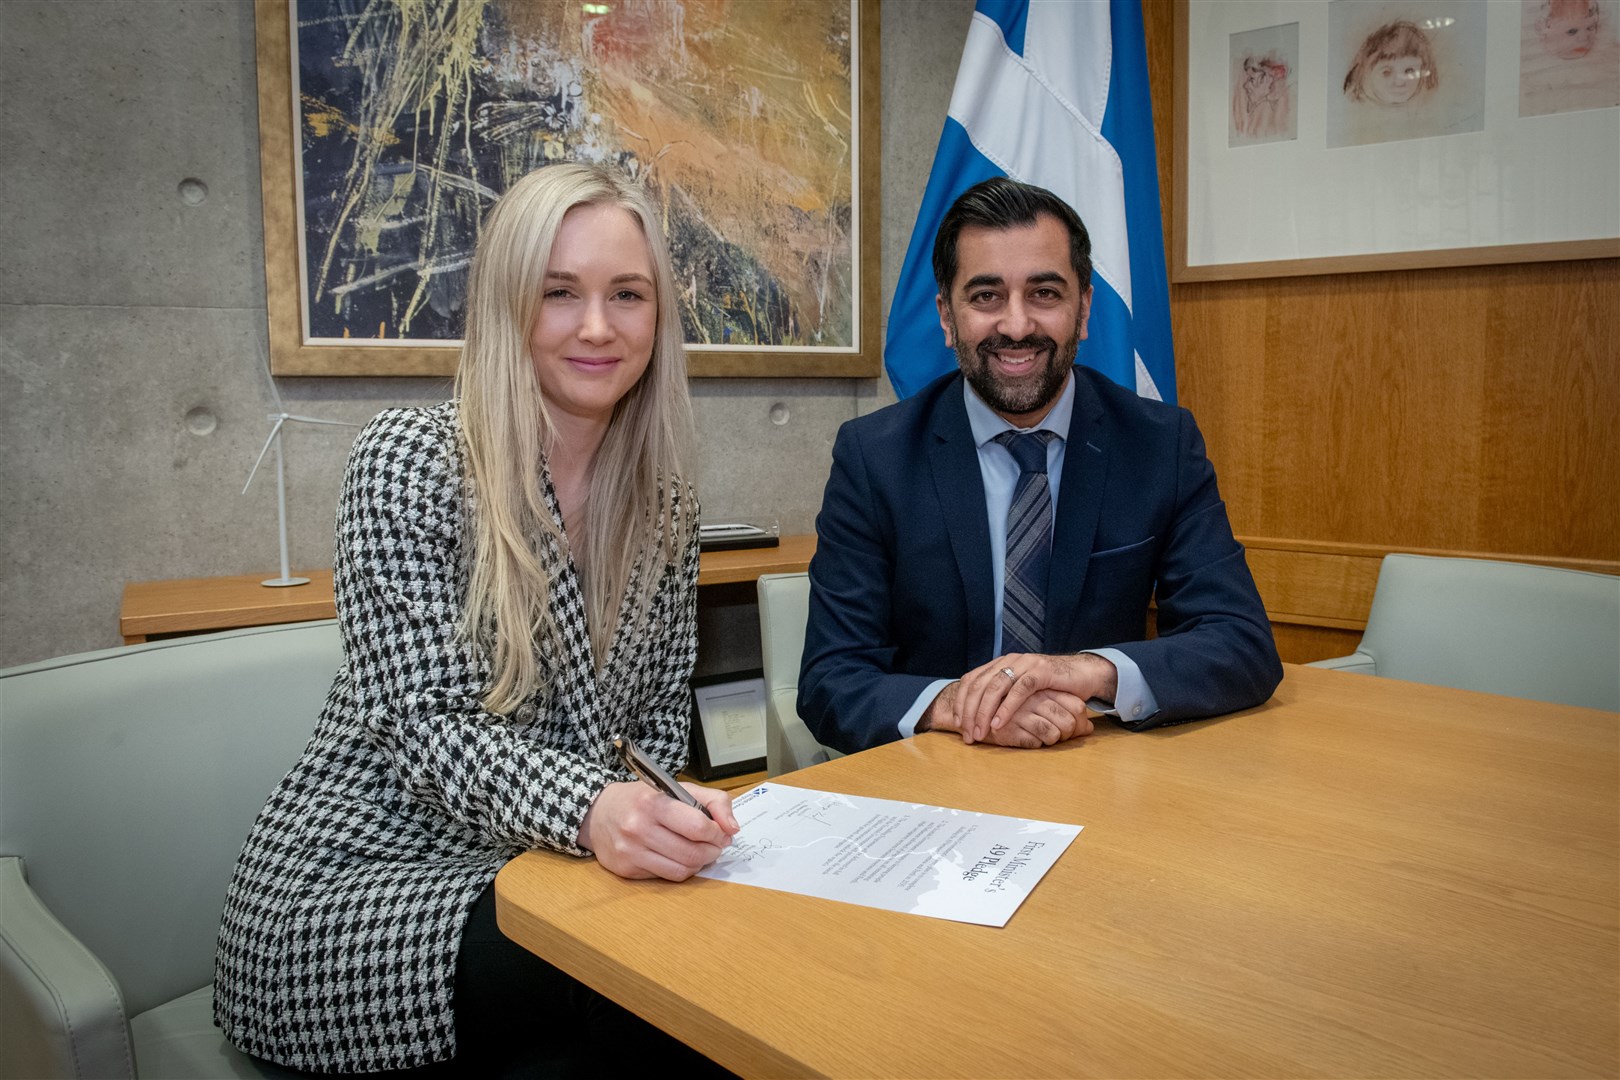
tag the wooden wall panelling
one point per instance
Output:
(1462, 410)
(1314, 588)
(1551, 473)
(1318, 594)
(1381, 413)
(1303, 644)
(1223, 391)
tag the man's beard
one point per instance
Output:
(1028, 394)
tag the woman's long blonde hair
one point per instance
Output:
(634, 507)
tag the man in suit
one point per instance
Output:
(987, 548)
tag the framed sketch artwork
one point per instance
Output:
(1569, 56)
(389, 127)
(728, 725)
(1324, 136)
(1263, 76)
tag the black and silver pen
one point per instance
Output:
(649, 770)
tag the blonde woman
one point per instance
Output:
(516, 575)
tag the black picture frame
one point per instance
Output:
(713, 754)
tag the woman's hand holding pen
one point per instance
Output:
(637, 831)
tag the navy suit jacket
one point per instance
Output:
(901, 587)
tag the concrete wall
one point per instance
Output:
(132, 321)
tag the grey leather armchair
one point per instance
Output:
(784, 609)
(128, 781)
(1502, 627)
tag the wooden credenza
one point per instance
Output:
(1316, 594)
(202, 605)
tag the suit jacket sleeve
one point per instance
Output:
(850, 697)
(1214, 652)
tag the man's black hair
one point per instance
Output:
(1002, 203)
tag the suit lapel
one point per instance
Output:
(959, 487)
(1079, 509)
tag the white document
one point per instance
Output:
(910, 857)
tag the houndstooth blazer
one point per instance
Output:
(337, 949)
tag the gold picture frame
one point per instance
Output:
(858, 353)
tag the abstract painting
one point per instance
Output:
(745, 119)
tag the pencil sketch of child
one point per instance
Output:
(1394, 67)
(1260, 107)
(1262, 67)
(1410, 70)
(1569, 56)
(1568, 28)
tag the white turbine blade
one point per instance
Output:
(275, 429)
(269, 377)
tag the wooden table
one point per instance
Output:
(195, 605)
(1363, 877)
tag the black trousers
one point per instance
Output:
(519, 1017)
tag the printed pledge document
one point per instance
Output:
(924, 860)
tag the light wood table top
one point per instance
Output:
(1363, 877)
(195, 605)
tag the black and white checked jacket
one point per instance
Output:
(338, 945)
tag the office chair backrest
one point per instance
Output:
(784, 609)
(1505, 628)
(130, 777)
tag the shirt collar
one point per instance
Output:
(986, 424)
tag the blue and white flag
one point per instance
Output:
(1053, 93)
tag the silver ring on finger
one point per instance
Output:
(1010, 673)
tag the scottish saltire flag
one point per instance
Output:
(1054, 93)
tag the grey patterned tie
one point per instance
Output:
(1029, 544)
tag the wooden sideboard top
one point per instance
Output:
(196, 605)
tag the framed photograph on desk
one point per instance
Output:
(388, 130)
(728, 724)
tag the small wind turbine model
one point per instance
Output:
(281, 419)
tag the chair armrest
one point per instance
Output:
(1359, 662)
(64, 1013)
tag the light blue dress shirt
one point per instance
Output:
(1000, 473)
